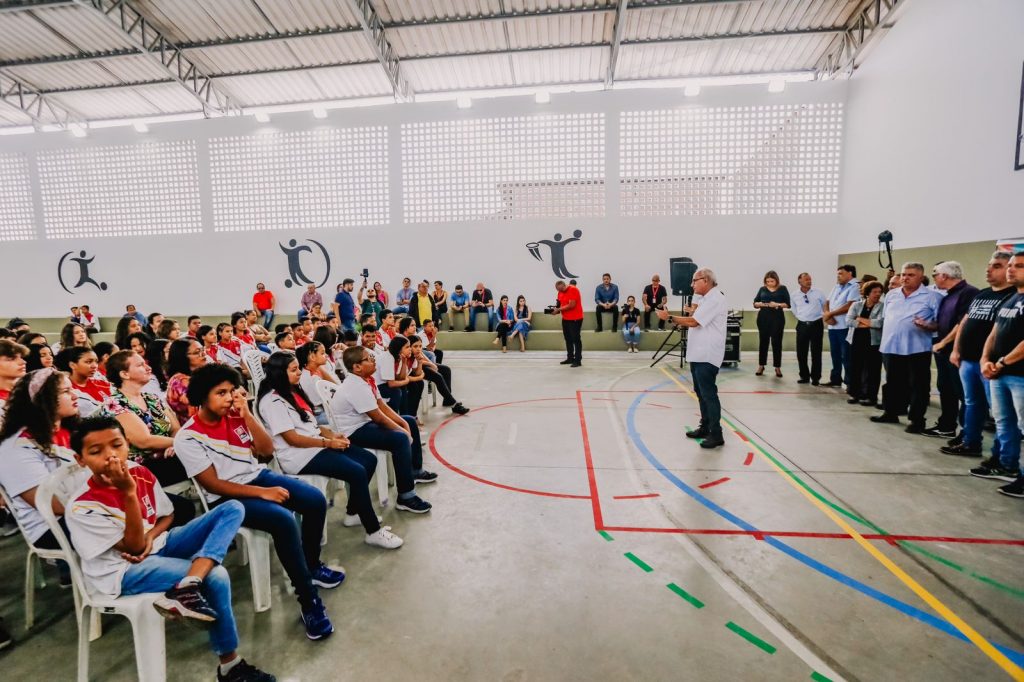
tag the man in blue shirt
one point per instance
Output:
(808, 308)
(344, 307)
(132, 311)
(843, 295)
(460, 304)
(607, 299)
(907, 328)
(403, 297)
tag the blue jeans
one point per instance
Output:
(299, 555)
(355, 466)
(840, 351)
(977, 401)
(268, 319)
(1008, 410)
(631, 334)
(473, 312)
(207, 537)
(407, 457)
(704, 375)
(400, 309)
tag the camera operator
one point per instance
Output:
(570, 307)
(344, 307)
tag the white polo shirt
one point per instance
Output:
(280, 417)
(351, 402)
(226, 446)
(23, 466)
(706, 343)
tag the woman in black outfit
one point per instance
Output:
(864, 320)
(771, 302)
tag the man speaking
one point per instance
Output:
(705, 350)
(570, 307)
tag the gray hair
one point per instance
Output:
(1001, 255)
(706, 272)
(951, 269)
(913, 266)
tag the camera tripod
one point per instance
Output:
(672, 346)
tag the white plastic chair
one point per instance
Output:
(253, 360)
(255, 550)
(147, 623)
(384, 475)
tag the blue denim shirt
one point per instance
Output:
(609, 295)
(460, 299)
(900, 336)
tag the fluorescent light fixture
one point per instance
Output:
(464, 102)
(319, 112)
(17, 130)
(692, 90)
(777, 85)
(77, 129)
(140, 126)
(543, 97)
(264, 117)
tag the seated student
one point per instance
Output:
(137, 343)
(262, 337)
(29, 339)
(439, 375)
(207, 336)
(388, 328)
(194, 323)
(429, 336)
(392, 374)
(103, 350)
(285, 341)
(304, 332)
(523, 322)
(367, 421)
(169, 330)
(126, 326)
(39, 356)
(229, 349)
(505, 316)
(327, 336)
(80, 364)
(89, 321)
(240, 329)
(219, 447)
(631, 324)
(302, 447)
(12, 368)
(72, 335)
(185, 357)
(312, 358)
(120, 524)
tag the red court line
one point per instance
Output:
(760, 534)
(598, 519)
(749, 460)
(607, 400)
(635, 497)
(667, 407)
(713, 483)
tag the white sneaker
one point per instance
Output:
(352, 520)
(384, 538)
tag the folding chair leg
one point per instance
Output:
(259, 571)
(30, 590)
(83, 644)
(383, 458)
(150, 645)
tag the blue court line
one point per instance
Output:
(912, 611)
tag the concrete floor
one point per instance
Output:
(509, 578)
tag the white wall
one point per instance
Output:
(215, 273)
(932, 117)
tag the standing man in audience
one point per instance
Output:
(966, 355)
(482, 301)
(808, 308)
(344, 307)
(949, 277)
(654, 295)
(607, 299)
(132, 311)
(908, 324)
(263, 302)
(310, 298)
(422, 307)
(403, 297)
(705, 350)
(570, 307)
(843, 295)
(459, 304)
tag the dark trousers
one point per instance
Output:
(573, 342)
(865, 368)
(413, 396)
(809, 337)
(647, 320)
(441, 380)
(407, 457)
(704, 376)
(908, 380)
(601, 312)
(395, 397)
(355, 466)
(298, 551)
(503, 331)
(951, 392)
(438, 355)
(769, 331)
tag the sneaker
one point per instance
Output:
(936, 432)
(318, 625)
(699, 432)
(424, 476)
(712, 442)
(328, 578)
(815, 382)
(1015, 489)
(5, 635)
(243, 672)
(885, 419)
(852, 400)
(991, 469)
(186, 603)
(413, 504)
(952, 442)
(833, 384)
(459, 408)
(867, 402)
(961, 450)
(576, 364)
(915, 428)
(384, 538)
(352, 520)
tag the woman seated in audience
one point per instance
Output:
(240, 329)
(312, 359)
(417, 380)
(328, 336)
(381, 295)
(126, 326)
(229, 349)
(185, 356)
(156, 358)
(90, 392)
(630, 318)
(207, 336)
(864, 319)
(392, 372)
(305, 447)
(223, 447)
(12, 368)
(136, 342)
(29, 339)
(103, 349)
(39, 357)
(72, 335)
(169, 330)
(523, 322)
(506, 319)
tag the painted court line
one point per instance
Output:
(998, 657)
(714, 483)
(693, 601)
(749, 460)
(632, 557)
(606, 536)
(751, 637)
(636, 497)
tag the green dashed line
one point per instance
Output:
(818, 677)
(632, 557)
(607, 537)
(750, 637)
(696, 603)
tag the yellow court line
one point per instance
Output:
(956, 621)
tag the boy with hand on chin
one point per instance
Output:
(119, 525)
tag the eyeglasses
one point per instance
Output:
(696, 279)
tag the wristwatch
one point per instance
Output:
(1001, 362)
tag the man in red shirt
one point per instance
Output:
(570, 307)
(263, 302)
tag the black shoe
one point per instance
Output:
(470, 329)
(712, 442)
(186, 603)
(699, 432)
(915, 428)
(803, 381)
(449, 403)
(879, 406)
(243, 672)
(815, 382)
(852, 401)
(1015, 489)
(936, 432)
(424, 476)
(459, 408)
(991, 469)
(990, 425)
(867, 402)
(885, 419)
(961, 450)
(576, 364)
(413, 504)
(952, 442)
(833, 384)
(567, 361)
(5, 636)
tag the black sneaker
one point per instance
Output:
(413, 504)
(868, 402)
(915, 428)
(952, 442)
(815, 382)
(315, 619)
(326, 577)
(243, 672)
(567, 361)
(5, 635)
(961, 450)
(712, 442)
(424, 476)
(576, 364)
(700, 432)
(991, 469)
(186, 603)
(459, 408)
(885, 419)
(852, 401)
(1015, 489)
(936, 432)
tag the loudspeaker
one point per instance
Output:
(681, 271)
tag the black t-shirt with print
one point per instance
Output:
(1009, 332)
(977, 323)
